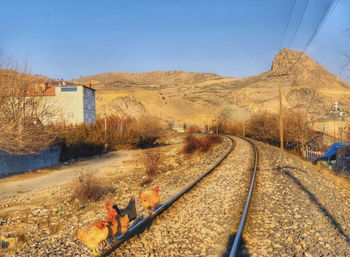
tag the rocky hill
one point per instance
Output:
(178, 97)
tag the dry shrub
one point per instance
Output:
(22, 239)
(193, 143)
(151, 162)
(110, 133)
(213, 139)
(193, 129)
(233, 128)
(264, 126)
(148, 130)
(90, 188)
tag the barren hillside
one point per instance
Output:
(178, 97)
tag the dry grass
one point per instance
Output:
(341, 179)
(151, 162)
(203, 144)
(90, 188)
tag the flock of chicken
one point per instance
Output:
(117, 221)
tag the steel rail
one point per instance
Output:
(235, 247)
(139, 227)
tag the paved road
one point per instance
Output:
(26, 182)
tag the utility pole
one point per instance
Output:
(281, 113)
(280, 105)
(105, 122)
(243, 128)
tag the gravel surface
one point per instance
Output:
(295, 211)
(202, 222)
(53, 227)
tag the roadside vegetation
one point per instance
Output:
(22, 112)
(151, 162)
(264, 126)
(110, 133)
(89, 188)
(201, 144)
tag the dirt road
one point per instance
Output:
(51, 177)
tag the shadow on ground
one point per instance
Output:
(242, 252)
(314, 200)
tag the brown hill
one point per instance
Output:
(158, 79)
(178, 97)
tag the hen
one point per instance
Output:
(130, 210)
(124, 224)
(98, 231)
(149, 200)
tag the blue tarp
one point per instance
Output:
(333, 150)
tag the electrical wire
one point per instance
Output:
(326, 14)
(300, 20)
(286, 28)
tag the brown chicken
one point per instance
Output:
(124, 223)
(96, 232)
(149, 200)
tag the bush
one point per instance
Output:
(213, 139)
(264, 126)
(193, 143)
(90, 188)
(151, 162)
(148, 130)
(110, 133)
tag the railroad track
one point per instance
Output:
(140, 226)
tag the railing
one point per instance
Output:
(313, 155)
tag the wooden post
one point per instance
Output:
(281, 113)
(105, 122)
(243, 126)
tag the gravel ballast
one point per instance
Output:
(295, 210)
(202, 222)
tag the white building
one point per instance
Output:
(72, 103)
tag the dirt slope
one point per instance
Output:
(177, 97)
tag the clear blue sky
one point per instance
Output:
(236, 38)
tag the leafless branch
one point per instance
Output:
(22, 110)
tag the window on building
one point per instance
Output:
(68, 89)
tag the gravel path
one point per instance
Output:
(295, 211)
(61, 174)
(200, 223)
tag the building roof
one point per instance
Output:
(333, 116)
(50, 91)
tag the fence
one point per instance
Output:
(10, 163)
(312, 155)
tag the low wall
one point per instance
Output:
(10, 163)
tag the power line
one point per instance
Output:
(300, 20)
(329, 10)
(286, 28)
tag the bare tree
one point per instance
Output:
(23, 111)
(263, 126)
(297, 128)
